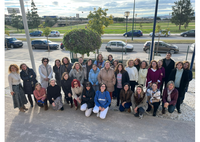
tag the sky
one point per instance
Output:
(143, 8)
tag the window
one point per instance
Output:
(12, 39)
(108, 44)
(120, 44)
(113, 43)
(192, 31)
(52, 31)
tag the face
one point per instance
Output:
(89, 62)
(45, 62)
(24, 67)
(136, 62)
(168, 56)
(75, 84)
(120, 68)
(80, 60)
(115, 64)
(94, 68)
(130, 63)
(57, 63)
(110, 58)
(88, 88)
(139, 90)
(100, 57)
(171, 86)
(159, 63)
(154, 87)
(154, 64)
(38, 87)
(143, 65)
(186, 66)
(126, 87)
(103, 87)
(179, 66)
(53, 83)
(107, 65)
(13, 69)
(65, 61)
(77, 67)
(66, 76)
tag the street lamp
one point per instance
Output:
(126, 14)
(135, 20)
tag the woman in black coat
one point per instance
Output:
(66, 87)
(29, 80)
(180, 78)
(56, 70)
(122, 77)
(87, 98)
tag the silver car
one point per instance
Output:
(118, 45)
(161, 33)
(54, 33)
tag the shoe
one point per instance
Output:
(62, 108)
(76, 107)
(154, 113)
(31, 105)
(129, 110)
(25, 108)
(179, 111)
(163, 111)
(140, 116)
(21, 109)
(136, 115)
(71, 105)
(45, 107)
(67, 102)
(98, 114)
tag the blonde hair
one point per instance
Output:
(127, 63)
(64, 73)
(73, 67)
(37, 85)
(16, 66)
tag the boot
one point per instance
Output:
(25, 108)
(45, 107)
(129, 110)
(71, 105)
(163, 111)
(21, 109)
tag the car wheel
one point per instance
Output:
(11, 46)
(172, 51)
(138, 35)
(185, 35)
(108, 49)
(147, 51)
(33, 47)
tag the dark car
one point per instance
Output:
(61, 46)
(42, 44)
(188, 33)
(137, 33)
(163, 47)
(13, 42)
(36, 33)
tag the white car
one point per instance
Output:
(192, 47)
(118, 45)
(161, 33)
(54, 33)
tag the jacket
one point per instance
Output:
(89, 98)
(102, 99)
(174, 96)
(43, 74)
(77, 91)
(168, 68)
(154, 96)
(86, 71)
(40, 94)
(125, 78)
(62, 68)
(107, 77)
(142, 76)
(77, 75)
(126, 97)
(58, 75)
(66, 86)
(102, 65)
(93, 76)
(142, 104)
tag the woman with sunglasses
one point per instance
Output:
(102, 101)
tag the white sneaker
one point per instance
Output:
(98, 114)
(140, 116)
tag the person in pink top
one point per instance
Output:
(154, 74)
(40, 95)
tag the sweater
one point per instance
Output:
(133, 73)
(93, 76)
(53, 92)
(154, 96)
(39, 94)
(102, 99)
(174, 96)
(178, 77)
(125, 78)
(154, 76)
(13, 79)
(89, 98)
(66, 86)
(58, 76)
(77, 91)
(142, 76)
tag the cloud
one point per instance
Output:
(55, 3)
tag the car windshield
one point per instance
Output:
(13, 39)
(165, 44)
(53, 31)
(46, 41)
(123, 43)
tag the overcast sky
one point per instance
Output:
(117, 8)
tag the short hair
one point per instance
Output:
(101, 85)
(52, 80)
(127, 63)
(37, 85)
(179, 62)
(169, 53)
(145, 63)
(107, 62)
(160, 60)
(45, 59)
(22, 65)
(188, 64)
(150, 66)
(64, 73)
(170, 82)
(75, 80)
(56, 61)
(16, 66)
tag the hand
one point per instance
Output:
(161, 74)
(53, 104)
(102, 109)
(90, 98)
(44, 95)
(166, 104)
(150, 84)
(123, 104)
(46, 79)
(31, 76)
(69, 95)
(135, 109)
(12, 93)
(99, 108)
(94, 84)
(83, 96)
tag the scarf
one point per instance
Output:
(138, 98)
(169, 95)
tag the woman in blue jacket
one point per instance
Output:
(93, 77)
(102, 101)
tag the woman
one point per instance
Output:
(139, 102)
(110, 59)
(180, 78)
(102, 101)
(40, 95)
(93, 77)
(121, 76)
(107, 76)
(133, 74)
(154, 74)
(45, 72)
(114, 64)
(66, 87)
(66, 65)
(169, 98)
(87, 98)
(80, 60)
(142, 73)
(99, 62)
(54, 95)
(186, 66)
(137, 63)
(125, 97)
(77, 72)
(160, 63)
(56, 70)
(153, 98)
(29, 80)
(77, 90)
(16, 89)
(87, 69)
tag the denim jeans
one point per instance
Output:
(126, 105)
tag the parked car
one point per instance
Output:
(137, 33)
(117, 45)
(61, 46)
(161, 33)
(192, 47)
(36, 33)
(54, 33)
(188, 33)
(42, 44)
(162, 47)
(13, 42)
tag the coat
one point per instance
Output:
(58, 75)
(126, 97)
(86, 71)
(102, 65)
(28, 82)
(66, 86)
(174, 96)
(62, 68)
(153, 77)
(142, 76)
(142, 104)
(77, 75)
(89, 98)
(43, 74)
(93, 76)
(184, 81)
(168, 69)
(125, 78)
(107, 77)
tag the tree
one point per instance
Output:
(140, 25)
(158, 18)
(182, 12)
(98, 20)
(82, 41)
(49, 22)
(29, 19)
(16, 19)
(35, 16)
(46, 32)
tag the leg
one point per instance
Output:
(171, 108)
(88, 112)
(110, 95)
(117, 93)
(83, 107)
(156, 105)
(30, 99)
(75, 102)
(141, 111)
(45, 105)
(96, 109)
(121, 108)
(161, 87)
(149, 107)
(132, 84)
(128, 105)
(104, 113)
(178, 103)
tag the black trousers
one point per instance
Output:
(68, 99)
(132, 84)
(30, 99)
(179, 100)
(155, 105)
(117, 91)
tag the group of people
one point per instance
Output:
(92, 86)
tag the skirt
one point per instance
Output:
(19, 98)
(58, 103)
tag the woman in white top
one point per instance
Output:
(16, 89)
(133, 74)
(45, 72)
(142, 73)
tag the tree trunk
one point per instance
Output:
(83, 56)
(179, 26)
(48, 44)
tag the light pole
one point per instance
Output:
(135, 20)
(127, 13)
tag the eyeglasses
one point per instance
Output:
(45, 61)
(103, 86)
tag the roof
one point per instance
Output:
(116, 41)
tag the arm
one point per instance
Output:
(89, 78)
(163, 73)
(175, 98)
(103, 63)
(82, 77)
(160, 76)
(143, 102)
(70, 73)
(41, 75)
(121, 96)
(24, 78)
(190, 75)
(95, 62)
(73, 93)
(136, 74)
(148, 78)
(127, 77)
(49, 97)
(36, 94)
(50, 75)
(96, 99)
(114, 78)
(10, 83)
(108, 100)
(164, 95)
(99, 77)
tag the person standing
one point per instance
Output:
(122, 77)
(99, 62)
(180, 78)
(137, 63)
(66, 65)
(86, 69)
(160, 63)
(142, 73)
(93, 77)
(29, 80)
(133, 73)
(114, 64)
(80, 60)
(56, 70)
(110, 59)
(45, 72)
(77, 72)
(16, 90)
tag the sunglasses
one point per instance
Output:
(75, 83)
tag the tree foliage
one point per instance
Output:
(182, 12)
(49, 22)
(82, 41)
(16, 20)
(46, 32)
(34, 15)
(98, 20)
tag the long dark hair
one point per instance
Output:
(87, 84)
(56, 61)
(116, 68)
